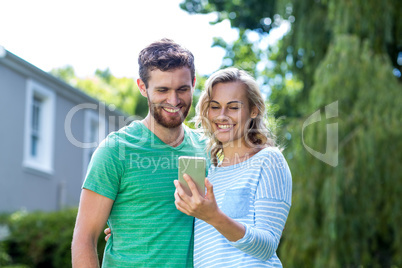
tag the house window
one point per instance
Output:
(35, 127)
(39, 128)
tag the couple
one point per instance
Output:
(130, 179)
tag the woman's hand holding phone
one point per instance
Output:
(203, 208)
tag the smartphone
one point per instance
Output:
(195, 167)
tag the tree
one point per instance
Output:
(344, 55)
(122, 92)
(313, 27)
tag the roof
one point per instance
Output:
(59, 86)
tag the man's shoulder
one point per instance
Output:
(118, 141)
(132, 131)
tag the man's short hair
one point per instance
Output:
(164, 55)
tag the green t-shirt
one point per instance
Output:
(136, 169)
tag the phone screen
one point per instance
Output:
(195, 167)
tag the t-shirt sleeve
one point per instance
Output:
(105, 169)
(272, 205)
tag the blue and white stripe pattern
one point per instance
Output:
(256, 193)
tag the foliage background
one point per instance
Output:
(40, 239)
(347, 52)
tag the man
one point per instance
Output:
(129, 182)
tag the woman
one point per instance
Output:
(239, 222)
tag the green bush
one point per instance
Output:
(41, 239)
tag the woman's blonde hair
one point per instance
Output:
(257, 133)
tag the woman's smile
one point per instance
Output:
(224, 127)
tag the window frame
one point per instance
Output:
(43, 161)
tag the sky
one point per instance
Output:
(90, 35)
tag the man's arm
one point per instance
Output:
(93, 212)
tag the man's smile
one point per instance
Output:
(171, 110)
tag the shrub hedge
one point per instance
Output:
(40, 239)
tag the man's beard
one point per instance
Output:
(156, 112)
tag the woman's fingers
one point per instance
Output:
(209, 186)
(180, 191)
(180, 204)
(191, 185)
(210, 189)
(177, 196)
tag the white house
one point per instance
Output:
(48, 132)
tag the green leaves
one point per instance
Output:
(352, 207)
(42, 239)
(122, 92)
(242, 14)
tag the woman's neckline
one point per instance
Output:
(244, 161)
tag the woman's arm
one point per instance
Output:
(262, 239)
(271, 206)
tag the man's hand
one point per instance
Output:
(93, 212)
